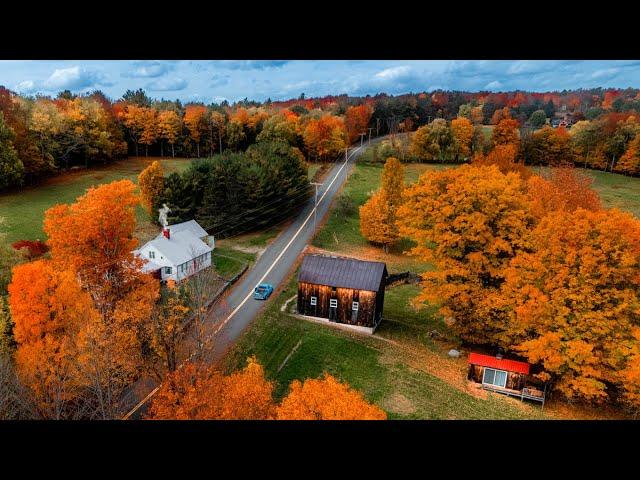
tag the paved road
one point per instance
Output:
(235, 314)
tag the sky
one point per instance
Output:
(232, 80)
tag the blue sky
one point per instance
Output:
(208, 81)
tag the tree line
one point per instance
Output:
(40, 136)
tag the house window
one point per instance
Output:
(167, 270)
(494, 377)
(354, 306)
(314, 301)
(152, 254)
(333, 303)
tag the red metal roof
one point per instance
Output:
(498, 363)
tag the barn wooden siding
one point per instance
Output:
(369, 308)
(515, 381)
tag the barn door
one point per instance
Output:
(333, 309)
(355, 306)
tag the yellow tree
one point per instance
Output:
(378, 214)
(462, 130)
(151, 182)
(150, 129)
(169, 126)
(326, 399)
(470, 221)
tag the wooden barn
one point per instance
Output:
(342, 290)
(501, 375)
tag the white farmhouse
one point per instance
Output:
(179, 251)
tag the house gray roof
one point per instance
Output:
(192, 226)
(342, 272)
(182, 247)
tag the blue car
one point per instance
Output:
(263, 291)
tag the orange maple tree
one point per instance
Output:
(470, 221)
(562, 189)
(326, 137)
(462, 130)
(326, 399)
(197, 392)
(505, 158)
(506, 132)
(357, 120)
(571, 303)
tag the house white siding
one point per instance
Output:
(184, 253)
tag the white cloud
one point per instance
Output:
(493, 85)
(167, 84)
(148, 69)
(75, 78)
(219, 79)
(394, 72)
(26, 86)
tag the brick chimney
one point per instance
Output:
(167, 234)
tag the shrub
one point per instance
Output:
(32, 248)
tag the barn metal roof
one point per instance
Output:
(342, 272)
(498, 363)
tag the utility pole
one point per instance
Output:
(362, 138)
(346, 154)
(315, 208)
(369, 142)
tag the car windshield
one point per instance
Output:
(260, 289)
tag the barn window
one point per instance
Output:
(494, 377)
(314, 301)
(354, 306)
(333, 303)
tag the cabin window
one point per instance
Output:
(152, 254)
(333, 303)
(354, 306)
(494, 377)
(314, 301)
(167, 270)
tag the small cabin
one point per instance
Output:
(509, 377)
(342, 290)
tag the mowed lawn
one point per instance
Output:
(618, 191)
(23, 211)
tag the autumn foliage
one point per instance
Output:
(326, 137)
(151, 181)
(326, 399)
(197, 392)
(478, 218)
(33, 248)
(571, 304)
(378, 214)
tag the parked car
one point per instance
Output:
(262, 291)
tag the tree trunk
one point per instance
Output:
(173, 152)
(161, 148)
(136, 143)
(146, 150)
(198, 149)
(220, 138)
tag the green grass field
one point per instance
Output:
(23, 210)
(229, 262)
(618, 191)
